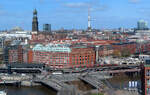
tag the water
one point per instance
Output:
(82, 86)
(39, 90)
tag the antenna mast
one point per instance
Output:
(89, 19)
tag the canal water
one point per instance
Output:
(39, 90)
(82, 86)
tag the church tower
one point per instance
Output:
(35, 21)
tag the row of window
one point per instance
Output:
(62, 62)
(52, 61)
(148, 91)
(148, 82)
(80, 61)
(148, 73)
(51, 55)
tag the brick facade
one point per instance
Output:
(15, 54)
(146, 80)
(78, 57)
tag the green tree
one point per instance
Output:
(125, 52)
(116, 53)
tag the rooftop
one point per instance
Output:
(52, 48)
(147, 65)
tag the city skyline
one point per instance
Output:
(74, 14)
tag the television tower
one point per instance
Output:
(89, 20)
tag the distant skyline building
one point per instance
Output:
(142, 25)
(47, 27)
(35, 21)
(121, 29)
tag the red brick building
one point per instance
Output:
(62, 57)
(46, 37)
(105, 50)
(131, 47)
(146, 79)
(82, 57)
(15, 54)
(40, 38)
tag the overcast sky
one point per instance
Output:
(72, 14)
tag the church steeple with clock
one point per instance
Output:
(35, 21)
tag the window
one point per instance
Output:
(148, 82)
(73, 59)
(77, 60)
(148, 91)
(147, 72)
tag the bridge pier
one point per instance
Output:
(116, 74)
(133, 74)
(130, 74)
(17, 83)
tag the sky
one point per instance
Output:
(73, 14)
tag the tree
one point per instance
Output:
(117, 53)
(125, 52)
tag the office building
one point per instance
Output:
(142, 25)
(47, 27)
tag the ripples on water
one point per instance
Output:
(40, 90)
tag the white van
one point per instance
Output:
(57, 73)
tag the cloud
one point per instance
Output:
(134, 1)
(41, 1)
(144, 11)
(2, 11)
(76, 5)
(100, 8)
(85, 5)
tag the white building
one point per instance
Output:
(16, 34)
(140, 35)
